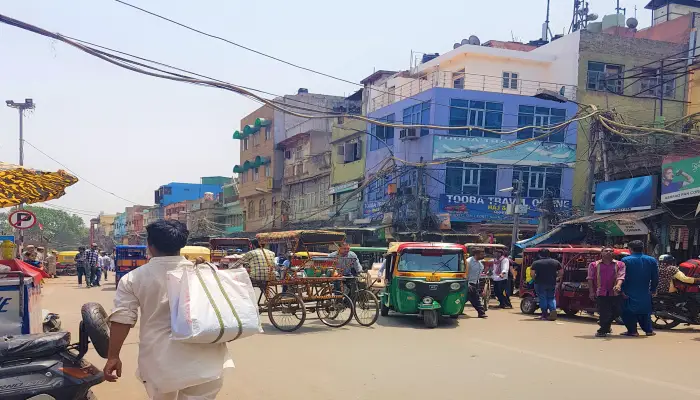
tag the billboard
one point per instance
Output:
(625, 195)
(468, 208)
(680, 178)
(536, 152)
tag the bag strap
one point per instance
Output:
(215, 272)
(211, 301)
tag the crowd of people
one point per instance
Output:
(92, 264)
(39, 258)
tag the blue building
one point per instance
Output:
(176, 192)
(469, 187)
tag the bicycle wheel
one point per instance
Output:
(486, 297)
(336, 311)
(286, 312)
(366, 308)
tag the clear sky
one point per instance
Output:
(129, 133)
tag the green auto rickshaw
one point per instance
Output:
(429, 279)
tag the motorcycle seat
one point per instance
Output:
(33, 346)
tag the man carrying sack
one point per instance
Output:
(170, 369)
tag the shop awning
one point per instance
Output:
(628, 216)
(260, 122)
(250, 129)
(237, 169)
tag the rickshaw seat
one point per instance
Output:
(32, 346)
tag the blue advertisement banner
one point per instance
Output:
(467, 208)
(535, 153)
(625, 195)
(373, 210)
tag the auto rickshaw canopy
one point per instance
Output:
(192, 252)
(302, 237)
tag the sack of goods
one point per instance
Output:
(208, 305)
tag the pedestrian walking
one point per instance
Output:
(92, 258)
(546, 271)
(105, 263)
(51, 263)
(641, 281)
(501, 269)
(168, 368)
(81, 267)
(476, 267)
(605, 278)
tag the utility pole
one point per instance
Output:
(516, 216)
(419, 202)
(661, 90)
(27, 105)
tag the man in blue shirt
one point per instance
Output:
(641, 280)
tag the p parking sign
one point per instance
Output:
(22, 219)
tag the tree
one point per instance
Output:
(61, 231)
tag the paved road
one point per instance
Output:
(507, 356)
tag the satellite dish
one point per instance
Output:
(464, 41)
(474, 40)
(591, 17)
(632, 23)
(454, 46)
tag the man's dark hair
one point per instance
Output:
(637, 246)
(544, 253)
(254, 243)
(81, 248)
(167, 236)
(475, 250)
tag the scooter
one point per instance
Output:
(674, 309)
(48, 366)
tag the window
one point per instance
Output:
(474, 179)
(392, 94)
(298, 153)
(538, 180)
(541, 116)
(256, 174)
(382, 134)
(244, 176)
(510, 80)
(476, 113)
(458, 79)
(262, 209)
(651, 84)
(376, 191)
(288, 154)
(251, 208)
(349, 151)
(418, 115)
(256, 139)
(604, 77)
(268, 134)
(245, 144)
(268, 171)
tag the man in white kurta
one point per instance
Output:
(170, 370)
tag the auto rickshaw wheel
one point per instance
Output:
(430, 318)
(286, 311)
(384, 309)
(571, 312)
(528, 305)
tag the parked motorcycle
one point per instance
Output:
(47, 366)
(674, 309)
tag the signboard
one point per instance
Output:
(680, 178)
(10, 320)
(343, 187)
(625, 195)
(467, 208)
(622, 228)
(373, 210)
(537, 152)
(22, 219)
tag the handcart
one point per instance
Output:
(289, 294)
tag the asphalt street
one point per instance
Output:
(507, 356)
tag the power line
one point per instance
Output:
(79, 177)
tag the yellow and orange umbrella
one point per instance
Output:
(25, 185)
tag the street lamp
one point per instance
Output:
(27, 105)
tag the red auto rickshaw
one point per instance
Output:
(572, 294)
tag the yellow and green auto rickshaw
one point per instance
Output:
(429, 279)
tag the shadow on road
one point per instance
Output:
(415, 322)
(309, 327)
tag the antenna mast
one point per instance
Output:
(580, 18)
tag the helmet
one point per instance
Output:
(667, 259)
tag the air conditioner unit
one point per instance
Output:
(406, 190)
(408, 134)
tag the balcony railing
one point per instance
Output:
(467, 81)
